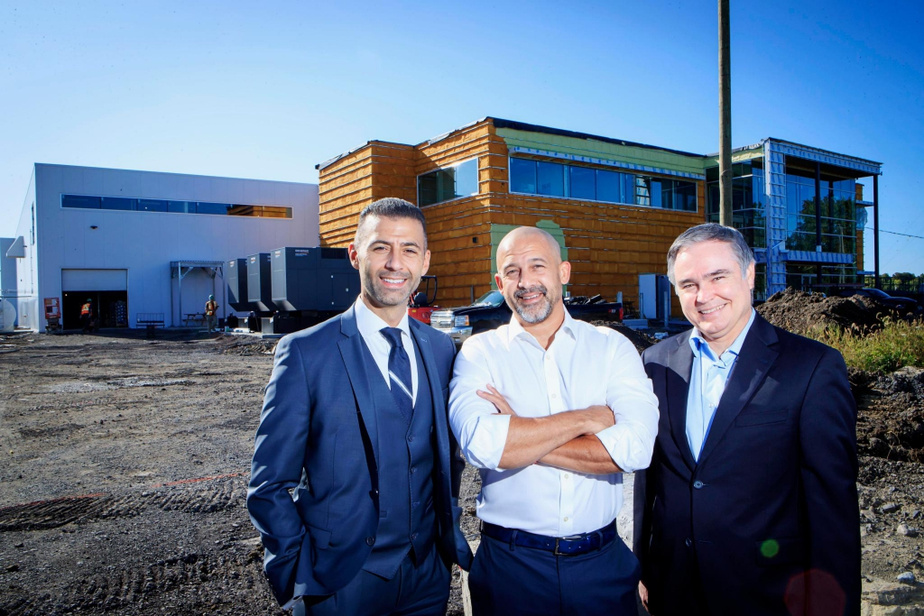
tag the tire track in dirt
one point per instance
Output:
(192, 496)
(114, 589)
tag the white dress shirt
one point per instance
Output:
(584, 366)
(370, 326)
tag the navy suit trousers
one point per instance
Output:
(416, 590)
(507, 579)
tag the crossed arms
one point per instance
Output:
(501, 415)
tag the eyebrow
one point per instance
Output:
(707, 275)
(388, 243)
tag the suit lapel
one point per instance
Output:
(353, 352)
(750, 371)
(431, 374)
(679, 368)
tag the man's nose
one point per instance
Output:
(704, 293)
(394, 261)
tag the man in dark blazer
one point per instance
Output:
(749, 506)
(355, 472)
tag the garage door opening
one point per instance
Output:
(106, 288)
(111, 308)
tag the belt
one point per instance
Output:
(561, 546)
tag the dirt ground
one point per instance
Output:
(124, 463)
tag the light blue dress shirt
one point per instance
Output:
(707, 384)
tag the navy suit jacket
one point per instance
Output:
(318, 439)
(768, 516)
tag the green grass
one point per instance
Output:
(897, 344)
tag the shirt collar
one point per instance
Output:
(515, 329)
(699, 344)
(370, 324)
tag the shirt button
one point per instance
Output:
(566, 518)
(698, 484)
(370, 540)
(413, 469)
(410, 439)
(688, 542)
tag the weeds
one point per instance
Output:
(899, 343)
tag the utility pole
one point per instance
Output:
(725, 166)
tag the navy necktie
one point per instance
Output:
(399, 372)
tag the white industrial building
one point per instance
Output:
(142, 242)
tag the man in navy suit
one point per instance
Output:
(355, 473)
(750, 503)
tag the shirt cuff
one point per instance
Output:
(617, 442)
(486, 445)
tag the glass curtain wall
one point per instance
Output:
(748, 201)
(838, 219)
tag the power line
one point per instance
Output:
(897, 233)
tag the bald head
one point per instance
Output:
(527, 236)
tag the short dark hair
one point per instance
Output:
(391, 207)
(710, 232)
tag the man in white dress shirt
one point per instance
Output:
(552, 411)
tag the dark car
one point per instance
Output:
(901, 304)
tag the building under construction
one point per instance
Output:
(615, 206)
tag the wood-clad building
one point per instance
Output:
(609, 244)
(615, 206)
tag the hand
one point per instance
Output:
(643, 595)
(600, 417)
(494, 397)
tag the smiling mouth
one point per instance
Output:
(712, 310)
(393, 281)
(528, 296)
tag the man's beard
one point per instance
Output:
(535, 313)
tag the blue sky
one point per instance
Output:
(268, 90)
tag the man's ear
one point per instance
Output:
(354, 255)
(564, 272)
(499, 282)
(426, 263)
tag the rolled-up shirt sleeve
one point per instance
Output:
(630, 441)
(480, 430)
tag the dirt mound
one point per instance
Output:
(245, 345)
(800, 312)
(890, 423)
(640, 340)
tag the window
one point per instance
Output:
(449, 183)
(212, 208)
(175, 207)
(537, 177)
(523, 176)
(152, 205)
(551, 178)
(117, 203)
(82, 202)
(182, 207)
(583, 183)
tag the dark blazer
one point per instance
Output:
(318, 436)
(769, 514)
